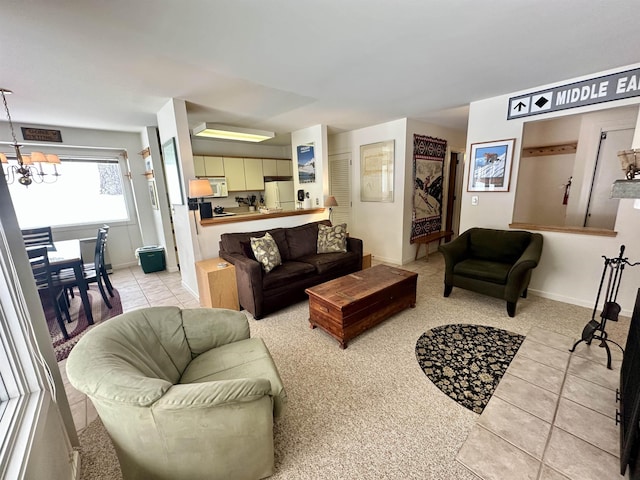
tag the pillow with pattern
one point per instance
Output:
(332, 239)
(266, 252)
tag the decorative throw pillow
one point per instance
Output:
(266, 252)
(332, 239)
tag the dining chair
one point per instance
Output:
(95, 272)
(37, 236)
(46, 286)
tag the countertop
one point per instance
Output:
(249, 216)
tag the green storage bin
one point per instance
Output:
(151, 258)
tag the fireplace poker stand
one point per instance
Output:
(595, 329)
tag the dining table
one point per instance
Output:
(67, 254)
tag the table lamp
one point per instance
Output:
(198, 188)
(330, 202)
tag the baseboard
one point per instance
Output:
(75, 465)
(571, 300)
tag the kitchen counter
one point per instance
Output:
(249, 216)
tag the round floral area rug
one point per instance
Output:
(467, 362)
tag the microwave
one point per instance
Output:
(219, 187)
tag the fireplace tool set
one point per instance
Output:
(595, 329)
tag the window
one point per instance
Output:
(87, 191)
(24, 378)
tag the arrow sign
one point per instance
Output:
(519, 106)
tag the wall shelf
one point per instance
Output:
(563, 149)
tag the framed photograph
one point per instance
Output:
(376, 172)
(490, 166)
(306, 163)
(153, 194)
(172, 172)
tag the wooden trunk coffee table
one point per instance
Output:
(349, 305)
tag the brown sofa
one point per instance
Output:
(261, 293)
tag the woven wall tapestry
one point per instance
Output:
(428, 163)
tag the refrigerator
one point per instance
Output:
(279, 195)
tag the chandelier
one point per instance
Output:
(25, 171)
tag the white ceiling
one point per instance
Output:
(284, 65)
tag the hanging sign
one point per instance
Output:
(615, 86)
(42, 135)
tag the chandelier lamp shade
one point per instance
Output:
(24, 170)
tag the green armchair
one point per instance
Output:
(497, 263)
(183, 394)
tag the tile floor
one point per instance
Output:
(552, 416)
(136, 290)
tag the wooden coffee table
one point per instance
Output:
(349, 305)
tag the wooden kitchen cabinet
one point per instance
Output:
(234, 171)
(284, 168)
(253, 174)
(213, 166)
(198, 166)
(270, 167)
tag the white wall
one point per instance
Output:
(384, 227)
(318, 136)
(455, 143)
(571, 264)
(172, 122)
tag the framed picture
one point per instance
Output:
(153, 194)
(376, 172)
(490, 166)
(306, 164)
(172, 172)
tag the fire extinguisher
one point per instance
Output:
(567, 189)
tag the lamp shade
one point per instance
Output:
(38, 157)
(330, 201)
(53, 158)
(200, 188)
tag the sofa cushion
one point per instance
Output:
(325, 262)
(247, 250)
(266, 252)
(494, 272)
(498, 245)
(302, 240)
(332, 239)
(286, 273)
(243, 359)
(231, 242)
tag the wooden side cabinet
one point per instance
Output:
(366, 260)
(217, 284)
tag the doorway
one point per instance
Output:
(454, 192)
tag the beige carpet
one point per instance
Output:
(369, 411)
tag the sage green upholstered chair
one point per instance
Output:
(497, 263)
(183, 394)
